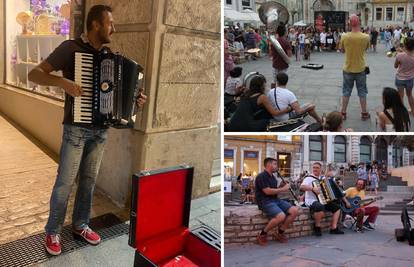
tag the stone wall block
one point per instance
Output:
(192, 14)
(122, 12)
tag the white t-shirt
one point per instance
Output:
(323, 37)
(302, 38)
(397, 34)
(310, 196)
(284, 98)
(232, 84)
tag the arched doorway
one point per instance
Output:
(323, 5)
(381, 153)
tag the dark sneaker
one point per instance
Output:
(281, 238)
(336, 231)
(88, 235)
(359, 230)
(317, 231)
(262, 239)
(368, 227)
(53, 246)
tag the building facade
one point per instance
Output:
(296, 154)
(373, 13)
(245, 154)
(342, 151)
(240, 5)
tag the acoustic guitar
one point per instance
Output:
(356, 202)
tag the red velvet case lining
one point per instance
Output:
(160, 232)
(160, 204)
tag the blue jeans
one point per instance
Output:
(361, 83)
(81, 152)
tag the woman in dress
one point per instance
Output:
(374, 177)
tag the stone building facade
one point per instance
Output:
(178, 43)
(352, 149)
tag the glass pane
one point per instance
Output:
(315, 138)
(340, 140)
(250, 167)
(339, 157)
(339, 148)
(364, 158)
(365, 149)
(315, 146)
(29, 43)
(313, 155)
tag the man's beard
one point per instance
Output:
(104, 39)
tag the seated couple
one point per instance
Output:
(256, 108)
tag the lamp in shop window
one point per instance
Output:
(24, 19)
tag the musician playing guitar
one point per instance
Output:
(82, 147)
(280, 212)
(318, 209)
(371, 212)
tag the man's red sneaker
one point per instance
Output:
(53, 244)
(88, 234)
(262, 239)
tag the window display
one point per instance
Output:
(41, 26)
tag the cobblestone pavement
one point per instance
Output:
(324, 87)
(372, 248)
(27, 175)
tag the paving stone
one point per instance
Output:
(324, 87)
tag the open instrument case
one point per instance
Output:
(159, 220)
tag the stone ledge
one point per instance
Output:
(243, 223)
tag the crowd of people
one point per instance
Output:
(257, 104)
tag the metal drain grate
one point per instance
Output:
(208, 235)
(31, 250)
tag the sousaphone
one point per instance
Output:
(272, 14)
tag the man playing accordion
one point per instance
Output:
(318, 209)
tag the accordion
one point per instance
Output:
(110, 84)
(329, 190)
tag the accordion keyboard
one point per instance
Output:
(83, 105)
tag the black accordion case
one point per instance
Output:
(159, 220)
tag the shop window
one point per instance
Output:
(41, 26)
(229, 162)
(250, 163)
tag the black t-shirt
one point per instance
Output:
(264, 180)
(63, 59)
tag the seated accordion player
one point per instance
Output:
(329, 190)
(110, 84)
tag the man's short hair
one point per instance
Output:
(96, 14)
(268, 160)
(317, 163)
(282, 78)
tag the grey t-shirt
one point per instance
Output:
(63, 59)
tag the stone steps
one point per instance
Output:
(400, 189)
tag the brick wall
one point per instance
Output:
(243, 223)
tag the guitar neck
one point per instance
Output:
(370, 200)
